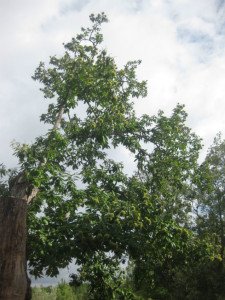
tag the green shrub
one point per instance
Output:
(44, 293)
(66, 292)
(60, 292)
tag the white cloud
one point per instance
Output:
(180, 42)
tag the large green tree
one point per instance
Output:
(81, 204)
(52, 169)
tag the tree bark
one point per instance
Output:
(13, 233)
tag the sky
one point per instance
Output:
(181, 44)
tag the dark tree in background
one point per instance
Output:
(210, 208)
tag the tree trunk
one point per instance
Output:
(13, 232)
(14, 282)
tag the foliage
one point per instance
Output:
(195, 272)
(5, 176)
(61, 291)
(172, 164)
(201, 281)
(64, 291)
(173, 250)
(106, 279)
(211, 205)
(44, 293)
(209, 210)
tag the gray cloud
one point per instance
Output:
(203, 41)
(220, 5)
(74, 5)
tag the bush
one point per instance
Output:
(60, 292)
(64, 291)
(44, 293)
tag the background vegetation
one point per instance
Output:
(59, 292)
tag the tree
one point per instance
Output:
(84, 76)
(211, 205)
(163, 242)
(80, 202)
(171, 166)
(208, 195)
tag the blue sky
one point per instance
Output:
(181, 44)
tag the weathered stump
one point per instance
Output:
(13, 233)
